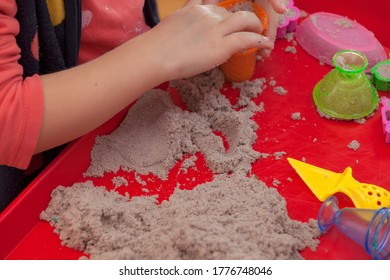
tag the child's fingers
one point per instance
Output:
(192, 3)
(241, 41)
(273, 17)
(272, 25)
(207, 10)
(212, 2)
(278, 6)
(241, 21)
(270, 33)
(201, 2)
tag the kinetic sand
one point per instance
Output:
(228, 218)
(156, 133)
(235, 216)
(384, 71)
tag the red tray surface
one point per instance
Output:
(24, 236)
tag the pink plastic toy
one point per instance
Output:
(288, 22)
(323, 34)
(386, 118)
(293, 14)
(282, 27)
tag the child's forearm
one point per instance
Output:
(192, 40)
(80, 99)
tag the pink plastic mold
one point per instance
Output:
(323, 34)
(386, 118)
(293, 14)
(288, 22)
(282, 27)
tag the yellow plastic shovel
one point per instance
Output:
(324, 183)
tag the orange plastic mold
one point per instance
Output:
(240, 66)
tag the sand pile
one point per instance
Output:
(233, 217)
(156, 133)
(228, 218)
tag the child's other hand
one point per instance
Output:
(201, 36)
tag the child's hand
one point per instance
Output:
(273, 8)
(198, 38)
(190, 41)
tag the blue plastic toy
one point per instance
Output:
(369, 228)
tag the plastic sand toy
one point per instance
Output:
(381, 75)
(241, 66)
(386, 118)
(368, 227)
(323, 34)
(345, 92)
(282, 27)
(288, 22)
(324, 183)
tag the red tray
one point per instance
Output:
(24, 236)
